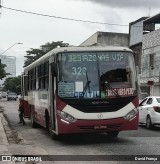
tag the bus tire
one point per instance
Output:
(113, 134)
(33, 123)
(54, 136)
(47, 121)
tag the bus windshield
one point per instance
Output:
(96, 75)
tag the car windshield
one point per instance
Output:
(158, 100)
(95, 74)
(11, 93)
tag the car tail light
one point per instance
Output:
(157, 109)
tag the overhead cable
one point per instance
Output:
(64, 18)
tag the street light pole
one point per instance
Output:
(10, 47)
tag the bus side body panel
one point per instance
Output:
(38, 102)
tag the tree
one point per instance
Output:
(34, 54)
(13, 84)
(2, 71)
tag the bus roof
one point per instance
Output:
(75, 49)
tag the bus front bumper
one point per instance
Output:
(83, 126)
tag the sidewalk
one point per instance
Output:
(3, 139)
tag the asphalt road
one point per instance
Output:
(141, 142)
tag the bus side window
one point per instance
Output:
(54, 69)
(128, 72)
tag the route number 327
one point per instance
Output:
(79, 70)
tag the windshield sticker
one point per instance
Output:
(79, 86)
(120, 92)
(92, 94)
(66, 89)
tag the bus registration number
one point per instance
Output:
(100, 127)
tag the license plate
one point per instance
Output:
(100, 127)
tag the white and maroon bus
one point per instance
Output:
(82, 89)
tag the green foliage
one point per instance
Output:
(34, 54)
(13, 84)
(2, 71)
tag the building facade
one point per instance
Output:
(136, 32)
(10, 62)
(150, 61)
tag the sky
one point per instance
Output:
(35, 30)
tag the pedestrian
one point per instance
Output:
(21, 111)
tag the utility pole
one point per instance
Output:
(149, 12)
(0, 6)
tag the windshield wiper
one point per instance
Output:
(87, 86)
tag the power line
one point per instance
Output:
(64, 18)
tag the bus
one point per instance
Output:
(82, 90)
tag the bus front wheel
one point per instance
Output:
(33, 123)
(54, 136)
(113, 134)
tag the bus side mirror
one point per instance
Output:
(54, 69)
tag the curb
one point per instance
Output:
(3, 136)
(1, 109)
(3, 133)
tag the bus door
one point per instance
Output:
(24, 93)
(52, 94)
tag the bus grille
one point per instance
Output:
(114, 127)
(95, 109)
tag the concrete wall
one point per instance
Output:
(112, 39)
(151, 40)
(107, 39)
(137, 49)
(92, 40)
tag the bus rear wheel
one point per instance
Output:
(33, 123)
(113, 134)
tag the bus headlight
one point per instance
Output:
(67, 117)
(131, 114)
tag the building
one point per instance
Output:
(10, 62)
(150, 70)
(136, 31)
(107, 39)
(144, 40)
